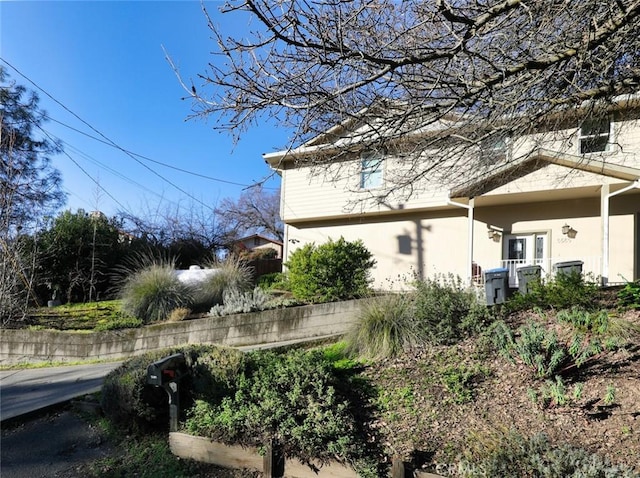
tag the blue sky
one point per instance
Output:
(103, 60)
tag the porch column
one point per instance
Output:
(470, 235)
(604, 221)
(606, 196)
(469, 207)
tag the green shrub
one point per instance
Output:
(151, 293)
(602, 326)
(336, 270)
(273, 280)
(542, 350)
(232, 273)
(629, 295)
(585, 321)
(511, 454)
(446, 311)
(561, 292)
(385, 327)
(299, 400)
(127, 399)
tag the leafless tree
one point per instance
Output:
(257, 210)
(173, 225)
(391, 72)
(30, 188)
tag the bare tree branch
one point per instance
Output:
(392, 73)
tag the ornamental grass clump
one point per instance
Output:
(385, 328)
(232, 273)
(152, 293)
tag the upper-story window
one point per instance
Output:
(595, 135)
(494, 150)
(371, 170)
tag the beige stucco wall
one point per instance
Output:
(332, 192)
(424, 244)
(435, 242)
(583, 215)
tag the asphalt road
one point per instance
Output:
(51, 445)
(30, 390)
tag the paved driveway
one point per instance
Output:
(29, 390)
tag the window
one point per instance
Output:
(595, 135)
(371, 168)
(494, 150)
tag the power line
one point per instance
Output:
(115, 172)
(111, 142)
(146, 158)
(88, 175)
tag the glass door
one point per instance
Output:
(523, 250)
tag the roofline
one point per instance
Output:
(276, 158)
(275, 241)
(616, 171)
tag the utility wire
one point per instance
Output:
(114, 144)
(146, 158)
(115, 172)
(88, 175)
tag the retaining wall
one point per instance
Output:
(277, 325)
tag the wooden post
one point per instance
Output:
(273, 462)
(397, 468)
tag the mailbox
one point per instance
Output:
(166, 370)
(166, 373)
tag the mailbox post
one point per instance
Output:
(166, 373)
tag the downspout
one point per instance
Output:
(469, 207)
(605, 228)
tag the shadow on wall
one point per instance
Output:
(406, 245)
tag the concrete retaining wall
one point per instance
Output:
(275, 325)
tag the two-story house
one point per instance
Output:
(568, 193)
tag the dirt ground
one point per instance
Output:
(428, 425)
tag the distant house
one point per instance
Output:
(258, 242)
(577, 199)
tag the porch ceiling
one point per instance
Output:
(538, 196)
(505, 174)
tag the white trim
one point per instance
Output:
(606, 197)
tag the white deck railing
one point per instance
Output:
(591, 267)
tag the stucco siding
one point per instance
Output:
(335, 192)
(417, 245)
(429, 244)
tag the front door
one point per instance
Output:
(523, 250)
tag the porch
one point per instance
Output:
(591, 267)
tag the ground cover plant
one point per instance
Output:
(97, 316)
(562, 382)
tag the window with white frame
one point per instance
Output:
(595, 135)
(494, 150)
(371, 170)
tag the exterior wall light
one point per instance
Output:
(569, 231)
(493, 234)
